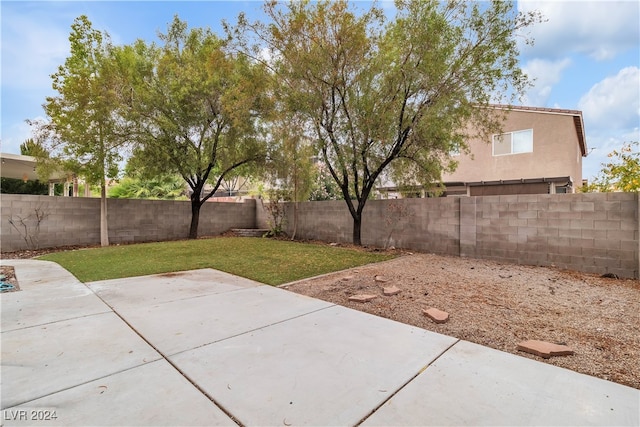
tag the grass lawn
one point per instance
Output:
(273, 262)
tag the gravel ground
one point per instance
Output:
(501, 305)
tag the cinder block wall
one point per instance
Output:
(596, 233)
(429, 225)
(76, 221)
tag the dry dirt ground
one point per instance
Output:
(496, 305)
(501, 305)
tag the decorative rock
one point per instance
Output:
(347, 278)
(544, 349)
(362, 297)
(380, 279)
(436, 315)
(391, 290)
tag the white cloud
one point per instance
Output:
(600, 145)
(14, 136)
(599, 29)
(544, 74)
(613, 103)
(31, 52)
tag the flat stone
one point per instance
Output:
(391, 290)
(362, 297)
(436, 315)
(380, 279)
(544, 349)
(347, 278)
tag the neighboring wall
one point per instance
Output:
(595, 233)
(430, 225)
(76, 221)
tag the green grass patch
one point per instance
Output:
(269, 261)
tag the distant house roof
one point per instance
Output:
(578, 122)
(17, 166)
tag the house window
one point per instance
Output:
(455, 148)
(513, 142)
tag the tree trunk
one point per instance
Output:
(195, 217)
(357, 227)
(295, 220)
(104, 227)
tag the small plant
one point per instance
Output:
(396, 213)
(29, 226)
(276, 212)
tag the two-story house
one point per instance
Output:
(539, 151)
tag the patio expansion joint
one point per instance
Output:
(53, 322)
(81, 384)
(229, 291)
(255, 329)
(424, 368)
(177, 368)
(162, 356)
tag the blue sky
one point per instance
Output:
(586, 57)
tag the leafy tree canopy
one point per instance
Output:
(83, 133)
(390, 97)
(621, 173)
(164, 187)
(196, 109)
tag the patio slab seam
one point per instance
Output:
(160, 303)
(53, 322)
(392, 395)
(26, 402)
(249, 331)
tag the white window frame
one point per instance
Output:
(511, 135)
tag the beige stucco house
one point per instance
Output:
(539, 151)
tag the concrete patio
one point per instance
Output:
(208, 348)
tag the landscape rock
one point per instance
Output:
(362, 298)
(436, 315)
(380, 279)
(347, 278)
(544, 349)
(391, 290)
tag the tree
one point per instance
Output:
(196, 109)
(18, 186)
(391, 97)
(84, 134)
(323, 186)
(290, 165)
(32, 148)
(622, 173)
(162, 187)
